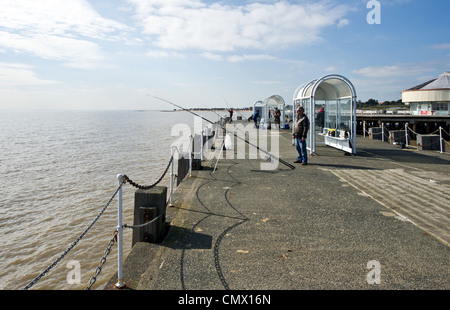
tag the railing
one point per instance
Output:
(118, 233)
(407, 137)
(119, 189)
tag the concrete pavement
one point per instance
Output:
(377, 220)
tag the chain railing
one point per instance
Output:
(117, 237)
(385, 132)
(75, 242)
(146, 187)
(102, 261)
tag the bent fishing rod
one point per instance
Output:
(292, 167)
(226, 102)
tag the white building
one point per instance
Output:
(429, 98)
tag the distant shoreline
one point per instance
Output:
(208, 110)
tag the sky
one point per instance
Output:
(119, 54)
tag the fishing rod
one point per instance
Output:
(224, 140)
(226, 102)
(292, 167)
(212, 110)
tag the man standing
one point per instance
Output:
(231, 114)
(256, 118)
(321, 118)
(300, 131)
(276, 115)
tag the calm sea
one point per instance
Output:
(58, 170)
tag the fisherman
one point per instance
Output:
(237, 136)
(320, 119)
(300, 133)
(255, 118)
(231, 114)
(276, 115)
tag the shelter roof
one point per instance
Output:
(326, 88)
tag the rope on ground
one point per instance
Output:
(75, 242)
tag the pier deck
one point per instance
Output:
(315, 227)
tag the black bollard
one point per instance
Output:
(149, 204)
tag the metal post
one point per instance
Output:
(120, 283)
(312, 135)
(355, 119)
(190, 154)
(382, 132)
(440, 137)
(171, 177)
(201, 142)
(406, 134)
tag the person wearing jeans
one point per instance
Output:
(300, 132)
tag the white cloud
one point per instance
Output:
(444, 46)
(218, 27)
(73, 52)
(387, 82)
(237, 58)
(343, 22)
(164, 54)
(55, 17)
(212, 56)
(15, 74)
(57, 30)
(396, 2)
(404, 69)
(266, 82)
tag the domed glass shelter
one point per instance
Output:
(270, 104)
(266, 110)
(330, 104)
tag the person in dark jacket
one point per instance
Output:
(231, 114)
(321, 118)
(255, 118)
(276, 115)
(300, 133)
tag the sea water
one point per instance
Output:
(58, 170)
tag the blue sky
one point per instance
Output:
(103, 54)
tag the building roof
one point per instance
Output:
(436, 90)
(442, 82)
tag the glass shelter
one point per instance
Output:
(269, 105)
(258, 106)
(266, 111)
(330, 104)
